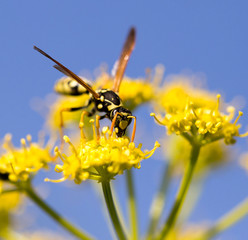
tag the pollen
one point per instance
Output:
(102, 158)
(22, 162)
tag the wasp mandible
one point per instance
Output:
(104, 100)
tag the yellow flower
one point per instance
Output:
(101, 158)
(174, 95)
(178, 152)
(134, 92)
(18, 164)
(193, 111)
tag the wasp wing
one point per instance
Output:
(123, 59)
(69, 73)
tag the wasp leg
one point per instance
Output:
(62, 122)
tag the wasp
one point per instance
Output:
(105, 101)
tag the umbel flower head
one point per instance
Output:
(190, 111)
(19, 163)
(101, 158)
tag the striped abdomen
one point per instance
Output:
(69, 86)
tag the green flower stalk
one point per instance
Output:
(170, 222)
(112, 210)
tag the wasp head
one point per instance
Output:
(122, 121)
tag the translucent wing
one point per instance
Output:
(123, 59)
(69, 73)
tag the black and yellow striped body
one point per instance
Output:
(70, 87)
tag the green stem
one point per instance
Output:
(228, 220)
(159, 202)
(112, 211)
(182, 191)
(187, 137)
(190, 200)
(64, 223)
(132, 205)
(119, 211)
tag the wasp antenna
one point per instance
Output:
(69, 73)
(124, 57)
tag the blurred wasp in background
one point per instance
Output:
(104, 100)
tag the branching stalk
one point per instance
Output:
(184, 186)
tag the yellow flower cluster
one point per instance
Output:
(18, 164)
(101, 158)
(193, 111)
(135, 92)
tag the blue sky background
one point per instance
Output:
(207, 37)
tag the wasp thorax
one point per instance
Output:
(107, 101)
